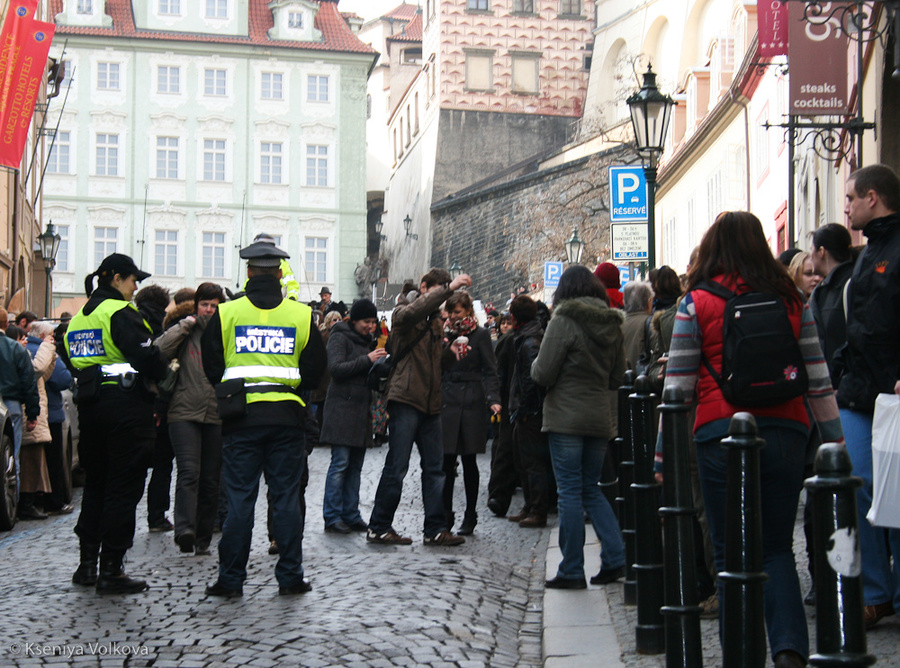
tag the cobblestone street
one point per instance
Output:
(475, 605)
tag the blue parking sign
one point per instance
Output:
(552, 272)
(627, 194)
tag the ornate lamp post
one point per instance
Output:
(574, 247)
(651, 112)
(407, 222)
(378, 227)
(49, 241)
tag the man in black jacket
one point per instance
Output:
(870, 362)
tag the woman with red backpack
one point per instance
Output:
(713, 360)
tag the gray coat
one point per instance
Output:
(194, 399)
(467, 389)
(347, 417)
(581, 363)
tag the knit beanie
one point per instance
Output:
(608, 274)
(362, 309)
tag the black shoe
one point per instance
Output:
(300, 588)
(29, 512)
(566, 583)
(202, 551)
(605, 577)
(112, 579)
(497, 507)
(467, 528)
(338, 527)
(86, 573)
(162, 525)
(358, 526)
(66, 509)
(810, 599)
(219, 590)
(273, 547)
(185, 541)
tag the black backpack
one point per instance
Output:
(761, 360)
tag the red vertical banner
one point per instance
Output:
(772, 17)
(18, 18)
(24, 60)
(817, 57)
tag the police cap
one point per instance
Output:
(263, 254)
(117, 263)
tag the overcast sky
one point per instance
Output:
(371, 9)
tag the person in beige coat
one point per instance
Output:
(35, 477)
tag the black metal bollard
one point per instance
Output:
(682, 614)
(840, 627)
(648, 566)
(625, 501)
(743, 622)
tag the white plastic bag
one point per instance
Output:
(885, 510)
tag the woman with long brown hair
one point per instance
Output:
(734, 255)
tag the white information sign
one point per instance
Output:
(630, 242)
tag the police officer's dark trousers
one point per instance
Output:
(115, 447)
(278, 451)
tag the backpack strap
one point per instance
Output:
(647, 350)
(844, 298)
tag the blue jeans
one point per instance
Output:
(246, 453)
(879, 585)
(408, 425)
(341, 502)
(577, 463)
(15, 420)
(781, 478)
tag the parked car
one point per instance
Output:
(10, 492)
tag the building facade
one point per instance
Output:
(190, 127)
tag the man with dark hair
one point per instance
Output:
(531, 452)
(414, 405)
(869, 365)
(24, 319)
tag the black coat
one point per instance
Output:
(347, 417)
(827, 306)
(871, 358)
(466, 390)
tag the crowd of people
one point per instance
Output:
(233, 388)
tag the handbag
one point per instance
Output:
(231, 399)
(380, 370)
(885, 509)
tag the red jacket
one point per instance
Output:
(711, 404)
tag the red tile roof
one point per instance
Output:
(411, 33)
(404, 11)
(336, 34)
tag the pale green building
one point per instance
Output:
(192, 125)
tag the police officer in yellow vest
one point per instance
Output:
(260, 351)
(109, 345)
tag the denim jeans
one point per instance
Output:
(781, 478)
(341, 502)
(16, 422)
(878, 584)
(577, 463)
(408, 425)
(246, 454)
(198, 453)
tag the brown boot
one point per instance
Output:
(521, 515)
(534, 521)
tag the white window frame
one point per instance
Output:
(317, 162)
(315, 259)
(108, 75)
(216, 243)
(65, 250)
(271, 162)
(295, 20)
(168, 79)
(84, 7)
(215, 159)
(217, 9)
(214, 81)
(106, 154)
(60, 153)
(165, 150)
(271, 83)
(106, 242)
(314, 85)
(165, 242)
(169, 7)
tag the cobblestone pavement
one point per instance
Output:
(474, 605)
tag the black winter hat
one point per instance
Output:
(362, 309)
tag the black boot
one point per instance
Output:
(112, 578)
(86, 573)
(467, 528)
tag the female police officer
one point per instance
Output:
(109, 345)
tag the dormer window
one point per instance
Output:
(412, 56)
(85, 7)
(295, 20)
(170, 7)
(84, 13)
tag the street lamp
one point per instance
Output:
(406, 224)
(49, 241)
(379, 225)
(651, 112)
(455, 269)
(574, 247)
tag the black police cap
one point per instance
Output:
(263, 254)
(121, 264)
